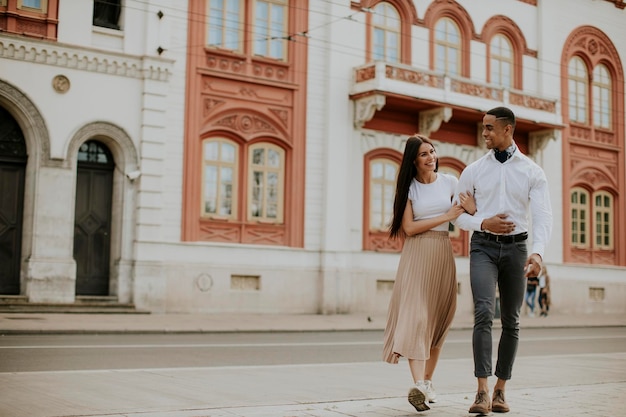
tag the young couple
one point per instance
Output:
(491, 198)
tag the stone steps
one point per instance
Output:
(83, 304)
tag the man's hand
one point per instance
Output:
(498, 224)
(533, 266)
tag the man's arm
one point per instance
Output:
(541, 212)
(466, 221)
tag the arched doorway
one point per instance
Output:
(13, 159)
(92, 224)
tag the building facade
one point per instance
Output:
(240, 155)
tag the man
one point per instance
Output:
(505, 184)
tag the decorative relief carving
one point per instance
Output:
(471, 89)
(430, 120)
(61, 84)
(532, 102)
(282, 115)
(371, 140)
(246, 123)
(209, 105)
(40, 136)
(592, 176)
(414, 77)
(230, 89)
(579, 132)
(364, 74)
(59, 56)
(380, 242)
(271, 235)
(364, 108)
(605, 138)
(591, 152)
(216, 232)
(275, 72)
(30, 27)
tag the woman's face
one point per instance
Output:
(426, 159)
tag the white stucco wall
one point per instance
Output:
(331, 274)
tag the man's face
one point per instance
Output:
(495, 133)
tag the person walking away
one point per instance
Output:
(544, 292)
(423, 301)
(531, 295)
(507, 186)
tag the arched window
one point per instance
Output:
(578, 83)
(501, 64)
(580, 217)
(447, 47)
(601, 93)
(219, 179)
(386, 33)
(383, 173)
(266, 183)
(225, 21)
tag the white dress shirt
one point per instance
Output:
(511, 188)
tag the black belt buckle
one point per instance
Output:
(505, 238)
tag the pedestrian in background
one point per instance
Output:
(544, 292)
(505, 184)
(531, 295)
(423, 300)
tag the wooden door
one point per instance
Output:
(13, 159)
(92, 225)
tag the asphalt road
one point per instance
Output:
(33, 353)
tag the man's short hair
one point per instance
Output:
(503, 113)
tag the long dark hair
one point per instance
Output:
(407, 172)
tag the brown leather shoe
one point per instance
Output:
(417, 398)
(498, 404)
(481, 405)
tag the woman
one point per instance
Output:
(544, 292)
(423, 301)
(531, 292)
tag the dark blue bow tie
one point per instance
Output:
(501, 156)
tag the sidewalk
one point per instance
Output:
(29, 323)
(591, 385)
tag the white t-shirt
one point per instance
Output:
(434, 199)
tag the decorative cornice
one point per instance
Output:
(91, 60)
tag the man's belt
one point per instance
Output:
(503, 238)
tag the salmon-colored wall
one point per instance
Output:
(246, 99)
(593, 158)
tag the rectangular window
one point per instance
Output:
(225, 19)
(579, 218)
(40, 6)
(219, 179)
(270, 29)
(601, 97)
(382, 187)
(603, 214)
(266, 183)
(106, 13)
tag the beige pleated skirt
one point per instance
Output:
(423, 301)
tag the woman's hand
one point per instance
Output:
(455, 211)
(467, 202)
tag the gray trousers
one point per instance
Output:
(494, 263)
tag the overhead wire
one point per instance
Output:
(187, 15)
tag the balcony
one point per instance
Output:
(405, 92)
